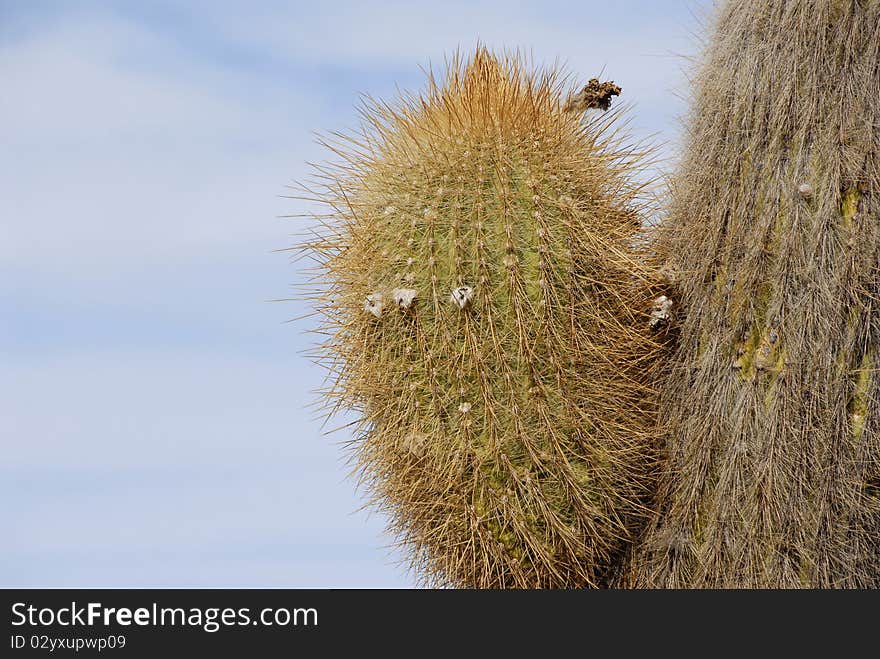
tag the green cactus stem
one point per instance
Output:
(488, 309)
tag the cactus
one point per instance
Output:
(773, 240)
(487, 303)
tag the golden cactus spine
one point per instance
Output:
(487, 312)
(774, 236)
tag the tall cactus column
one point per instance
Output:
(488, 317)
(773, 243)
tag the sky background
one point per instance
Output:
(155, 420)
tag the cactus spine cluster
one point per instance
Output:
(488, 307)
(774, 233)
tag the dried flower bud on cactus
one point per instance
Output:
(462, 296)
(595, 95)
(373, 304)
(404, 297)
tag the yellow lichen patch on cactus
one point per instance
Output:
(491, 326)
(850, 206)
(759, 352)
(858, 404)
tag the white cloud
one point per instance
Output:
(69, 87)
(177, 469)
(634, 47)
(111, 163)
(109, 409)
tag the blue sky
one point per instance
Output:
(155, 411)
